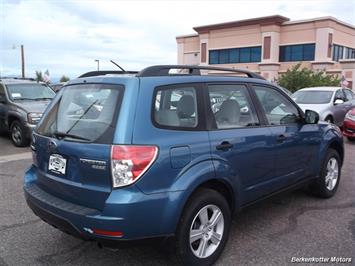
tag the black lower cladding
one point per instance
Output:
(66, 227)
(55, 221)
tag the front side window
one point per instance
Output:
(29, 91)
(176, 107)
(84, 113)
(2, 94)
(278, 109)
(231, 106)
(2, 91)
(339, 95)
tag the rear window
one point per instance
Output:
(84, 113)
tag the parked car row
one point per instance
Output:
(333, 104)
(22, 103)
(152, 155)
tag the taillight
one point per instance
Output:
(130, 162)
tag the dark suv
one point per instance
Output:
(170, 152)
(22, 103)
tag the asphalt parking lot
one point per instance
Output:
(270, 233)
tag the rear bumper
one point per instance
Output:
(349, 129)
(136, 215)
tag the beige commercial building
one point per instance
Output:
(270, 45)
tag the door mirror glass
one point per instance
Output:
(311, 117)
(338, 101)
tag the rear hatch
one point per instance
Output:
(72, 144)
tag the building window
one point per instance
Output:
(341, 52)
(213, 57)
(244, 55)
(299, 52)
(338, 52)
(235, 55)
(349, 53)
(223, 56)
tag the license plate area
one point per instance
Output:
(57, 164)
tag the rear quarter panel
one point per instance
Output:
(331, 135)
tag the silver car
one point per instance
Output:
(331, 103)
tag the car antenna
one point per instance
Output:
(118, 66)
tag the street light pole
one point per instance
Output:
(98, 64)
(22, 61)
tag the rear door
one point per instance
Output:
(241, 147)
(72, 143)
(295, 144)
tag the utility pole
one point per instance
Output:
(98, 64)
(22, 61)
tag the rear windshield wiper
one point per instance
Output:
(20, 99)
(44, 98)
(61, 135)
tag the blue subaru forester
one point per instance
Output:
(170, 152)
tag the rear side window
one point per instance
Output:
(231, 106)
(278, 109)
(85, 113)
(176, 107)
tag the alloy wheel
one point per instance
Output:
(332, 175)
(16, 134)
(206, 231)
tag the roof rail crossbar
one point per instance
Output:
(105, 72)
(164, 70)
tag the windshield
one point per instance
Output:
(83, 113)
(29, 91)
(312, 97)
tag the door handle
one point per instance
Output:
(225, 145)
(281, 138)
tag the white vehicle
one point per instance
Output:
(331, 103)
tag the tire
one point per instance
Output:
(213, 202)
(18, 134)
(327, 184)
(329, 119)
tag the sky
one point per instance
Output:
(66, 37)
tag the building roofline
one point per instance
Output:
(292, 22)
(187, 36)
(275, 19)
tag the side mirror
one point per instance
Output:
(311, 117)
(338, 101)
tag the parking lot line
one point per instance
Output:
(15, 157)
